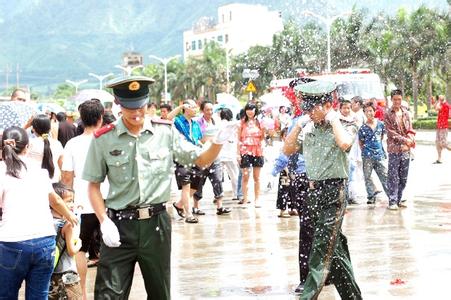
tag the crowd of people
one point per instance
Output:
(107, 183)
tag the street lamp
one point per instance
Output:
(228, 69)
(165, 62)
(128, 69)
(100, 78)
(76, 83)
(328, 20)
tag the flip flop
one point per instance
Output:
(179, 211)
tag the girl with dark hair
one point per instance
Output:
(44, 149)
(27, 234)
(250, 151)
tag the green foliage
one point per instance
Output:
(64, 91)
(427, 123)
(406, 49)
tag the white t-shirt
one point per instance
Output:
(74, 158)
(229, 148)
(36, 152)
(25, 204)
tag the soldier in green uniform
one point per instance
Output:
(136, 155)
(325, 148)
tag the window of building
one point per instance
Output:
(223, 18)
(219, 38)
(193, 45)
(226, 38)
(230, 15)
(186, 46)
(199, 44)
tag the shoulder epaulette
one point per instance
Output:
(101, 131)
(161, 121)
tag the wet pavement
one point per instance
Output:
(252, 254)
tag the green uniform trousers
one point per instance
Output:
(147, 242)
(329, 258)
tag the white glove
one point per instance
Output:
(225, 133)
(302, 121)
(110, 233)
(331, 115)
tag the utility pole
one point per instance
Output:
(7, 71)
(100, 78)
(17, 75)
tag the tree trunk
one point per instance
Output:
(447, 75)
(429, 93)
(415, 92)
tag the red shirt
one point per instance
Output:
(442, 117)
(379, 113)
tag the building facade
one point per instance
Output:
(237, 28)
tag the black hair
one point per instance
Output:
(396, 92)
(343, 101)
(240, 115)
(41, 126)
(357, 99)
(205, 102)
(108, 118)
(91, 112)
(150, 104)
(61, 116)
(226, 114)
(60, 188)
(250, 106)
(369, 104)
(12, 149)
(167, 106)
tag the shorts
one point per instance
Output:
(441, 137)
(192, 176)
(248, 161)
(61, 290)
(88, 225)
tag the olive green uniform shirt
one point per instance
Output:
(139, 168)
(323, 158)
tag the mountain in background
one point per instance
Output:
(55, 40)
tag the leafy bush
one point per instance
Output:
(427, 123)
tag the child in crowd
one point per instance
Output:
(65, 282)
(27, 234)
(345, 114)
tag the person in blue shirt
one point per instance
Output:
(188, 179)
(374, 157)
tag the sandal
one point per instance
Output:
(242, 201)
(179, 211)
(222, 210)
(191, 219)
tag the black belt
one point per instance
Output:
(327, 182)
(137, 213)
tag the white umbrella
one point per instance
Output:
(229, 101)
(89, 94)
(49, 106)
(274, 99)
(224, 98)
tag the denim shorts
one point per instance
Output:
(30, 260)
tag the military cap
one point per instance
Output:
(315, 92)
(132, 92)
